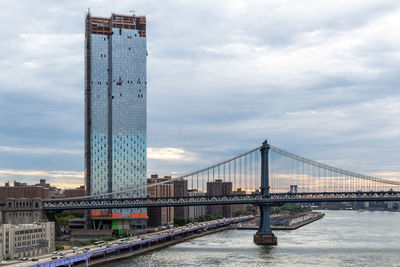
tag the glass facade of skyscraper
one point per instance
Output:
(115, 106)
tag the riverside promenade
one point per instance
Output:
(285, 222)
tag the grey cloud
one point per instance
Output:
(316, 78)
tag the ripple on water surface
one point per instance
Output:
(341, 238)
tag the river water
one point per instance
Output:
(341, 238)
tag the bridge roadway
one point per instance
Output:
(86, 254)
(255, 199)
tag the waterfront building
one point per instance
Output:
(181, 190)
(393, 205)
(239, 208)
(26, 240)
(76, 224)
(196, 211)
(76, 192)
(73, 193)
(115, 115)
(22, 210)
(159, 216)
(219, 188)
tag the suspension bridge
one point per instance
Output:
(267, 175)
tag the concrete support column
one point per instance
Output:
(264, 235)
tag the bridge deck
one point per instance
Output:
(255, 199)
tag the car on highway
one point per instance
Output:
(74, 248)
(54, 257)
(34, 259)
(23, 259)
(99, 243)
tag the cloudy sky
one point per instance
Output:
(319, 79)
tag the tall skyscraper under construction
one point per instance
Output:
(115, 114)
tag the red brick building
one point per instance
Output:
(181, 190)
(240, 208)
(159, 216)
(22, 190)
(219, 188)
(77, 192)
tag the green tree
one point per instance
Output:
(289, 209)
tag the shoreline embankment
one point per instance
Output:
(286, 222)
(153, 248)
(291, 222)
(128, 247)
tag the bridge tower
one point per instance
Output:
(264, 235)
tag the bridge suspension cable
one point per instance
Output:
(288, 173)
(212, 173)
(293, 173)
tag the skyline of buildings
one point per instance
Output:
(115, 111)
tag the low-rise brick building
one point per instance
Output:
(22, 190)
(77, 192)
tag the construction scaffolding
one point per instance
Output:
(104, 26)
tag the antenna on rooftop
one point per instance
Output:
(133, 12)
